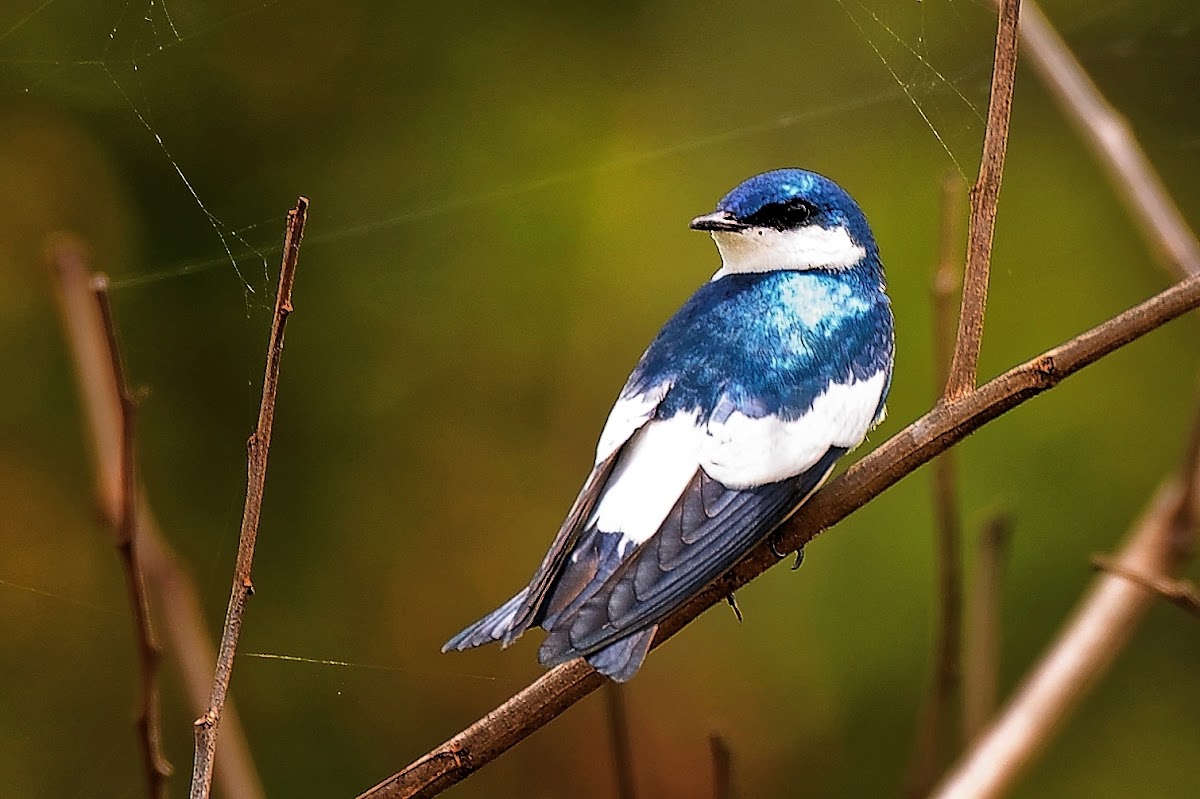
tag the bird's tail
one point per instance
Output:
(493, 627)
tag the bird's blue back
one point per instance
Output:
(770, 343)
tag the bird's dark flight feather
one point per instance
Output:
(709, 529)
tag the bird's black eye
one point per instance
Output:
(784, 215)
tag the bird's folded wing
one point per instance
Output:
(708, 530)
(630, 413)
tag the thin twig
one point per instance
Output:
(125, 527)
(1178, 592)
(931, 736)
(1101, 626)
(1112, 141)
(722, 761)
(935, 432)
(618, 731)
(984, 196)
(257, 449)
(174, 596)
(981, 656)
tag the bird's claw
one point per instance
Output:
(733, 604)
(799, 558)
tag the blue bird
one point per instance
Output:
(734, 416)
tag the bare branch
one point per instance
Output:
(618, 729)
(1108, 134)
(124, 527)
(981, 655)
(1178, 592)
(985, 194)
(931, 737)
(170, 587)
(1102, 625)
(935, 432)
(722, 761)
(257, 449)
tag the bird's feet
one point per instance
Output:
(736, 610)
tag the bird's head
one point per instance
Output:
(789, 219)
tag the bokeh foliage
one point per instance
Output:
(500, 197)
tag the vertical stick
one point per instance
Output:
(125, 526)
(722, 761)
(931, 736)
(257, 449)
(981, 657)
(984, 196)
(168, 584)
(618, 729)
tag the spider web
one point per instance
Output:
(126, 66)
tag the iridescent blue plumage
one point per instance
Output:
(731, 339)
(735, 414)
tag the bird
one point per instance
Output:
(733, 417)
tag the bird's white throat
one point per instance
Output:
(760, 249)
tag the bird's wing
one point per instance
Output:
(744, 476)
(631, 412)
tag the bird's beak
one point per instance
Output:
(717, 221)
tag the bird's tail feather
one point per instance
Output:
(621, 660)
(493, 627)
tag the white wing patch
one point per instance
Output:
(649, 477)
(626, 416)
(743, 451)
(740, 452)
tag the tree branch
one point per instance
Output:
(1103, 623)
(931, 737)
(981, 654)
(1108, 134)
(170, 587)
(985, 194)
(935, 432)
(257, 449)
(124, 526)
(1178, 592)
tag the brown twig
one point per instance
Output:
(935, 432)
(257, 449)
(984, 196)
(1178, 592)
(174, 596)
(124, 526)
(1108, 134)
(618, 731)
(931, 736)
(981, 656)
(1102, 625)
(722, 761)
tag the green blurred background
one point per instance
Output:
(500, 198)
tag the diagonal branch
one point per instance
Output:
(257, 449)
(125, 527)
(935, 432)
(1112, 141)
(1103, 623)
(170, 586)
